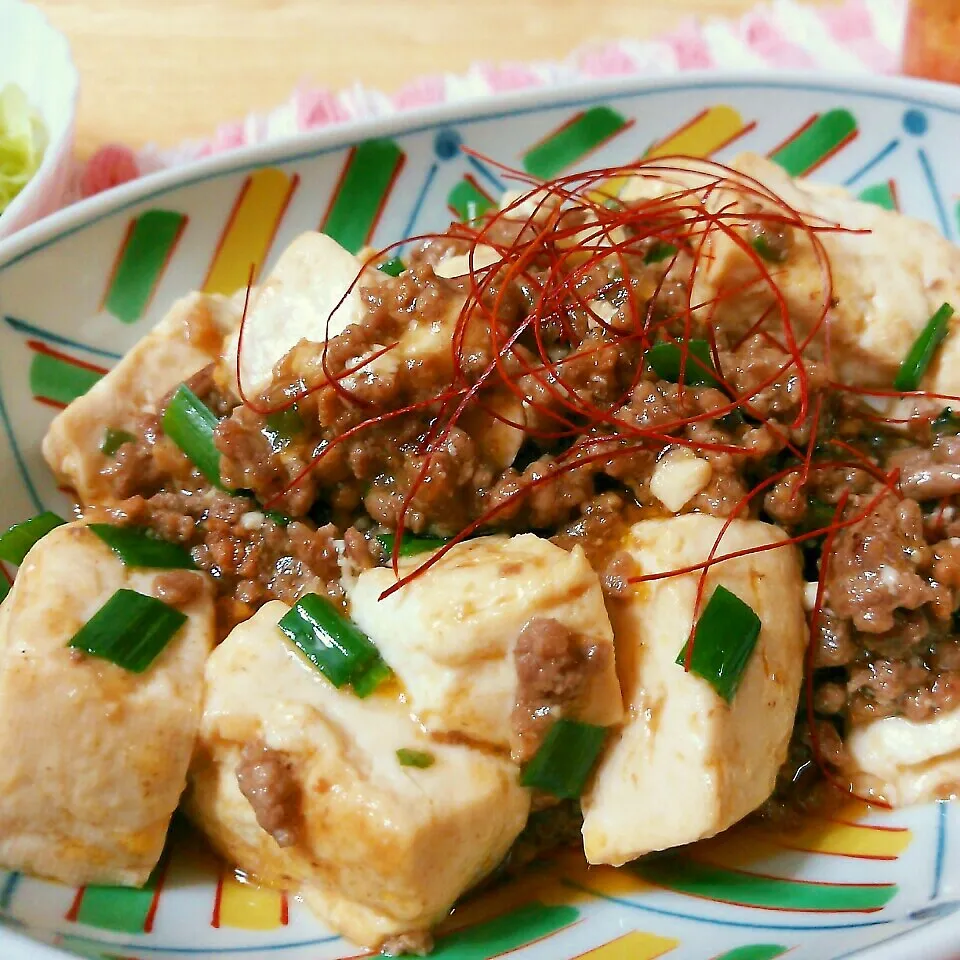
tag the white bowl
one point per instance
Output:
(37, 58)
(84, 285)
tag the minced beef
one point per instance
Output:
(266, 779)
(251, 556)
(553, 666)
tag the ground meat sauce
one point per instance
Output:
(267, 780)
(372, 430)
(553, 666)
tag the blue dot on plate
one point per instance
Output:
(447, 143)
(915, 122)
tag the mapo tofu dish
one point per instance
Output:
(613, 517)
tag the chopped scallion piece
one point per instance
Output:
(369, 681)
(565, 760)
(189, 423)
(415, 758)
(137, 547)
(723, 642)
(335, 646)
(113, 440)
(392, 267)
(282, 427)
(819, 515)
(280, 519)
(410, 546)
(947, 423)
(15, 544)
(924, 347)
(667, 359)
(659, 252)
(767, 250)
(4, 587)
(130, 630)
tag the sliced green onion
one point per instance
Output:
(282, 427)
(924, 347)
(947, 423)
(280, 519)
(189, 423)
(565, 760)
(767, 250)
(137, 547)
(15, 544)
(411, 546)
(113, 440)
(723, 642)
(415, 758)
(4, 587)
(335, 646)
(667, 358)
(369, 681)
(130, 630)
(659, 251)
(819, 515)
(392, 267)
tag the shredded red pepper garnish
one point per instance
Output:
(573, 225)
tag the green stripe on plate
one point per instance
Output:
(811, 145)
(364, 185)
(759, 951)
(468, 201)
(149, 243)
(505, 933)
(879, 194)
(54, 379)
(583, 133)
(752, 890)
(124, 909)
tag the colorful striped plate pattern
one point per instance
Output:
(79, 289)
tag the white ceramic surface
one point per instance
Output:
(79, 288)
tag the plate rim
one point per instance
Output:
(312, 143)
(938, 935)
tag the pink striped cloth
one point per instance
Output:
(856, 36)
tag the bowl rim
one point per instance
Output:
(63, 142)
(935, 937)
(312, 143)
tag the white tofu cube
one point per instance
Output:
(911, 762)
(93, 758)
(888, 278)
(299, 300)
(189, 337)
(451, 633)
(686, 764)
(377, 848)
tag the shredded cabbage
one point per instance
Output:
(23, 138)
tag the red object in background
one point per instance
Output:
(932, 43)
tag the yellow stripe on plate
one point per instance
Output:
(634, 946)
(246, 906)
(250, 230)
(843, 840)
(703, 135)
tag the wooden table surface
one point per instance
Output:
(165, 70)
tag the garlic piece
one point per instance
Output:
(452, 268)
(678, 477)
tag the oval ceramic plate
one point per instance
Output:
(78, 289)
